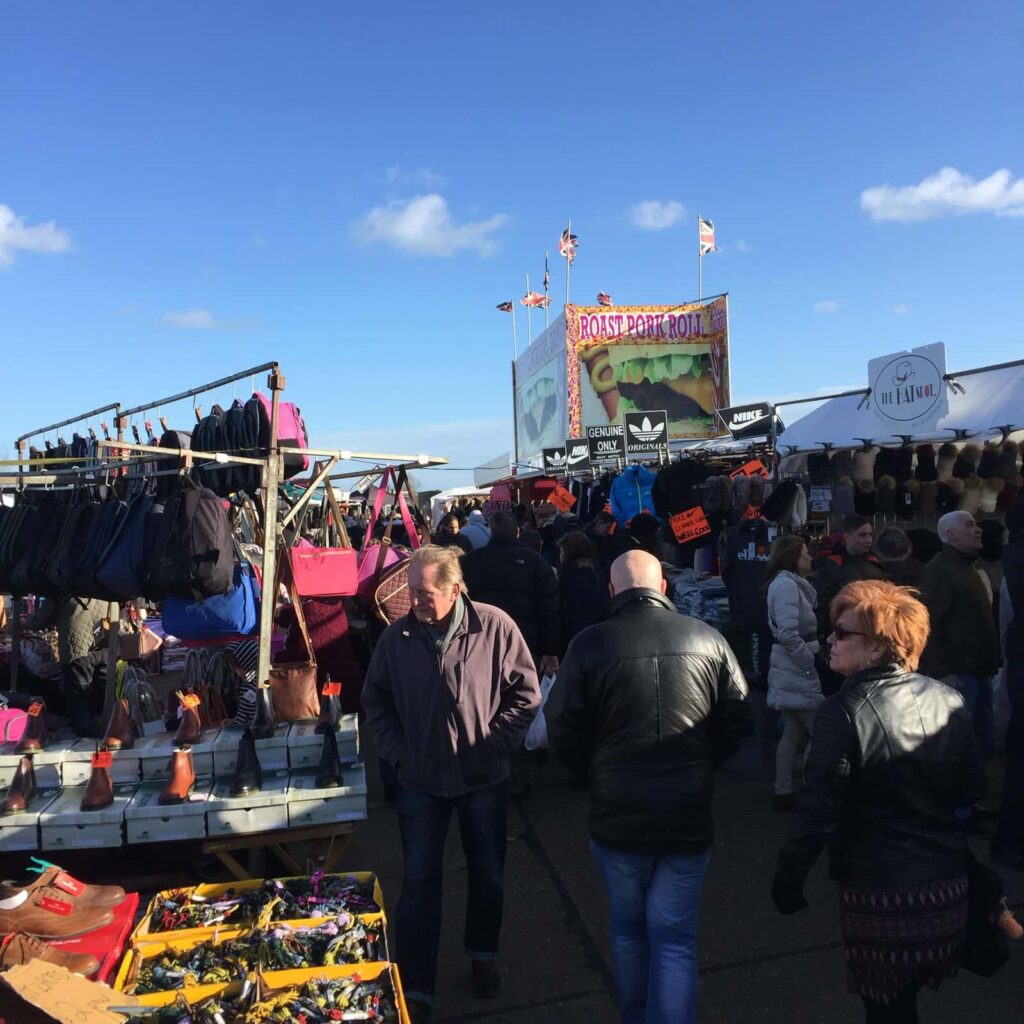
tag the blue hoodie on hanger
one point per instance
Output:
(631, 493)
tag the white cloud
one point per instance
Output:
(826, 306)
(654, 215)
(201, 319)
(742, 245)
(901, 309)
(16, 236)
(423, 225)
(421, 177)
(944, 194)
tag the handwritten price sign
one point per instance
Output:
(753, 468)
(562, 499)
(690, 525)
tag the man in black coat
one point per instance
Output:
(647, 704)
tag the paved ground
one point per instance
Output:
(754, 964)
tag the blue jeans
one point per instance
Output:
(977, 694)
(423, 823)
(653, 902)
(1010, 831)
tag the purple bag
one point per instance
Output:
(291, 433)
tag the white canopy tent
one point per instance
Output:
(437, 502)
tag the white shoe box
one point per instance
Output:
(272, 751)
(21, 831)
(310, 805)
(155, 755)
(149, 821)
(265, 811)
(47, 762)
(63, 825)
(76, 763)
(304, 744)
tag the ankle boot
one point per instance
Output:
(248, 777)
(35, 732)
(330, 711)
(189, 728)
(22, 790)
(99, 792)
(263, 726)
(329, 771)
(120, 735)
(182, 780)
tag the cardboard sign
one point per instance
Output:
(753, 468)
(332, 689)
(66, 997)
(102, 759)
(690, 525)
(562, 499)
(190, 700)
(35, 709)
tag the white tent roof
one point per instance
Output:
(438, 500)
(992, 399)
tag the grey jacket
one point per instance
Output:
(793, 683)
(450, 721)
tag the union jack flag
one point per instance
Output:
(604, 299)
(504, 307)
(706, 236)
(567, 246)
(536, 300)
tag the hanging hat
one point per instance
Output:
(949, 494)
(947, 459)
(842, 497)
(885, 503)
(1008, 459)
(741, 493)
(990, 491)
(970, 499)
(1011, 492)
(884, 462)
(864, 464)
(908, 499)
(864, 499)
(967, 460)
(926, 503)
(990, 457)
(778, 504)
(841, 464)
(902, 463)
(926, 463)
(757, 489)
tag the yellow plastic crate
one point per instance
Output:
(144, 930)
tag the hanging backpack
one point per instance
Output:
(250, 477)
(291, 433)
(231, 440)
(192, 556)
(105, 522)
(165, 485)
(207, 438)
(11, 543)
(236, 613)
(122, 564)
(61, 564)
(30, 575)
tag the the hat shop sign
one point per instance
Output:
(908, 389)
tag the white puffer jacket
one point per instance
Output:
(793, 683)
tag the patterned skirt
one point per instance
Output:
(900, 936)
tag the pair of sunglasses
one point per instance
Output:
(841, 632)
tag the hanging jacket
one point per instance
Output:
(793, 683)
(631, 493)
(744, 565)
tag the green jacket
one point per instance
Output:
(76, 619)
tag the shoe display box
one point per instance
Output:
(106, 944)
(155, 755)
(309, 804)
(272, 752)
(265, 811)
(304, 743)
(63, 825)
(21, 831)
(76, 762)
(147, 820)
(47, 763)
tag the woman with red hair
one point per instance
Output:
(892, 757)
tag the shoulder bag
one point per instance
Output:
(294, 684)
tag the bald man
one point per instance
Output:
(647, 704)
(963, 645)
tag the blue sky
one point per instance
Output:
(187, 189)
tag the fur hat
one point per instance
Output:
(1008, 460)
(798, 512)
(864, 499)
(757, 489)
(948, 496)
(864, 464)
(990, 490)
(884, 462)
(926, 503)
(842, 464)
(970, 500)
(926, 463)
(725, 490)
(902, 463)
(818, 466)
(967, 460)
(947, 459)
(711, 498)
(885, 503)
(842, 497)
(778, 504)
(908, 499)
(741, 493)
(1011, 492)
(989, 465)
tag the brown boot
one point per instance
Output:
(182, 780)
(98, 792)
(120, 734)
(35, 732)
(20, 948)
(49, 913)
(190, 727)
(81, 894)
(22, 790)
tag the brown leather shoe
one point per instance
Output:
(189, 728)
(49, 913)
(182, 780)
(79, 892)
(20, 948)
(120, 734)
(98, 791)
(35, 732)
(22, 790)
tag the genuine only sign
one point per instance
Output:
(607, 444)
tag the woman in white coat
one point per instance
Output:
(793, 684)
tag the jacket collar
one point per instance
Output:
(873, 673)
(411, 626)
(958, 555)
(635, 596)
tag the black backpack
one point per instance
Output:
(170, 439)
(83, 577)
(250, 445)
(11, 544)
(61, 563)
(122, 566)
(192, 556)
(30, 575)
(207, 437)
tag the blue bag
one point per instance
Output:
(236, 613)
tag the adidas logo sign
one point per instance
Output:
(647, 431)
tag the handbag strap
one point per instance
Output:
(300, 616)
(378, 505)
(339, 521)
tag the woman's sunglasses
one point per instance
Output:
(841, 632)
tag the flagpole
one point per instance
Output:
(515, 344)
(529, 328)
(568, 260)
(700, 258)
(545, 289)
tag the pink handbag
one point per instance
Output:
(327, 571)
(291, 433)
(13, 723)
(378, 556)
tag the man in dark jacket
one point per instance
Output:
(647, 704)
(450, 691)
(963, 645)
(854, 562)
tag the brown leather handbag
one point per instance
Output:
(294, 684)
(391, 599)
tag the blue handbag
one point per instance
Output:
(236, 613)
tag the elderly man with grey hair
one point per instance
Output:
(450, 691)
(647, 704)
(963, 645)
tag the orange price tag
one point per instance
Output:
(332, 689)
(35, 709)
(753, 468)
(102, 759)
(190, 700)
(562, 499)
(690, 525)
